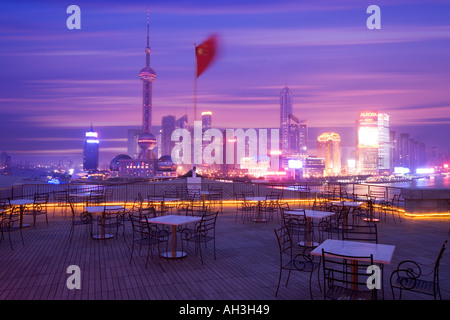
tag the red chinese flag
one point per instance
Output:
(205, 54)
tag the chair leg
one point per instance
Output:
(279, 280)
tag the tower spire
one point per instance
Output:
(147, 49)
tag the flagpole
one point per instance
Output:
(195, 83)
(195, 104)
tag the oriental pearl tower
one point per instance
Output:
(147, 140)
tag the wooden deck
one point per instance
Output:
(246, 268)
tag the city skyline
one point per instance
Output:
(56, 82)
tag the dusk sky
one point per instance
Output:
(55, 82)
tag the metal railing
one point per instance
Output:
(128, 192)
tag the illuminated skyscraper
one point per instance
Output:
(206, 120)
(91, 151)
(298, 137)
(285, 112)
(329, 148)
(367, 142)
(384, 144)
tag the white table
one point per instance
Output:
(310, 214)
(22, 203)
(382, 253)
(174, 221)
(101, 209)
(259, 217)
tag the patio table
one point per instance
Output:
(174, 221)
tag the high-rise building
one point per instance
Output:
(298, 137)
(285, 110)
(182, 123)
(384, 144)
(393, 148)
(206, 120)
(91, 151)
(403, 151)
(132, 143)
(293, 132)
(367, 142)
(329, 148)
(5, 163)
(167, 127)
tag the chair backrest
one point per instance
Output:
(108, 192)
(139, 223)
(149, 212)
(284, 241)
(341, 271)
(364, 233)
(295, 221)
(208, 223)
(284, 206)
(41, 198)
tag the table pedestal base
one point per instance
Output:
(371, 220)
(309, 244)
(259, 220)
(102, 236)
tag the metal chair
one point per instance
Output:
(246, 208)
(9, 222)
(203, 232)
(364, 233)
(150, 235)
(290, 262)
(346, 280)
(39, 207)
(82, 219)
(409, 277)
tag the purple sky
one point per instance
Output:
(56, 82)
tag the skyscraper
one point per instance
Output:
(147, 140)
(132, 143)
(329, 148)
(285, 111)
(206, 120)
(367, 142)
(384, 144)
(167, 127)
(298, 137)
(91, 151)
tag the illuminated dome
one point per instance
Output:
(147, 74)
(147, 141)
(165, 163)
(114, 165)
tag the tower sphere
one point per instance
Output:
(147, 141)
(147, 74)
